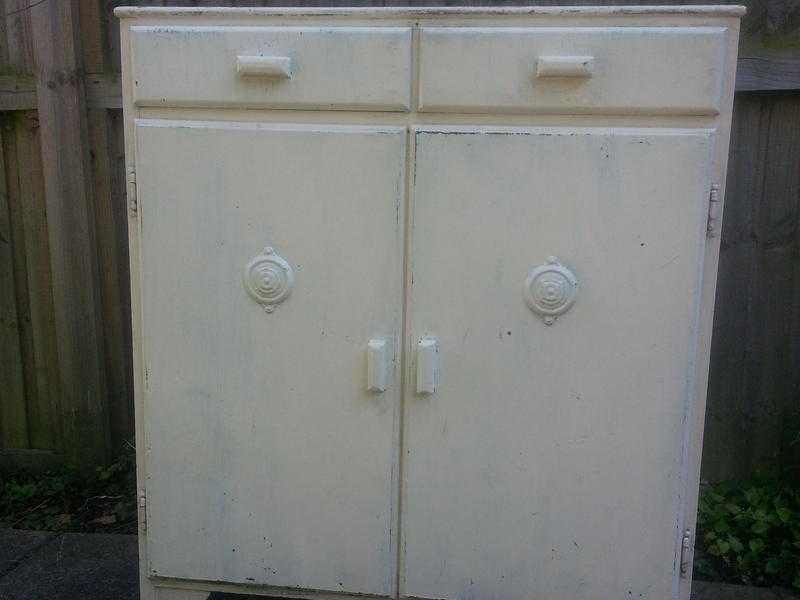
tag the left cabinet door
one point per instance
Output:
(268, 461)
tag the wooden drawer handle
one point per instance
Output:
(564, 66)
(264, 66)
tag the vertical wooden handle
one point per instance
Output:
(376, 365)
(427, 365)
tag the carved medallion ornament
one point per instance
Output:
(550, 290)
(269, 279)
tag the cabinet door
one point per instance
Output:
(548, 463)
(267, 460)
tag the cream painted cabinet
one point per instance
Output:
(422, 298)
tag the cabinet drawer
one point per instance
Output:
(355, 68)
(610, 70)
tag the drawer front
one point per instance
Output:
(272, 67)
(610, 70)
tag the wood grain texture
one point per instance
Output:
(71, 228)
(42, 370)
(765, 71)
(13, 415)
(110, 222)
(755, 368)
(19, 35)
(19, 285)
(13, 412)
(28, 459)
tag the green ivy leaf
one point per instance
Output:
(759, 527)
(751, 495)
(735, 544)
(772, 566)
(734, 509)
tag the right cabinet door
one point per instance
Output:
(548, 463)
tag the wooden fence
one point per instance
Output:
(65, 344)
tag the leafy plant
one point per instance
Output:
(65, 500)
(749, 533)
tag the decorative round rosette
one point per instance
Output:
(550, 290)
(269, 279)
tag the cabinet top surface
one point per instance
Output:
(427, 12)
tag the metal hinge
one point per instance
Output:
(686, 548)
(143, 511)
(712, 226)
(133, 203)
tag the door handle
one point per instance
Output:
(427, 365)
(376, 365)
(264, 66)
(564, 66)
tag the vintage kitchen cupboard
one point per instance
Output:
(423, 297)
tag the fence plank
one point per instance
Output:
(755, 364)
(25, 193)
(92, 36)
(13, 412)
(20, 271)
(22, 171)
(108, 165)
(70, 214)
(18, 35)
(112, 242)
(766, 71)
(28, 459)
(42, 369)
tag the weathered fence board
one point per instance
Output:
(13, 412)
(755, 364)
(64, 295)
(768, 71)
(28, 198)
(27, 211)
(72, 232)
(106, 143)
